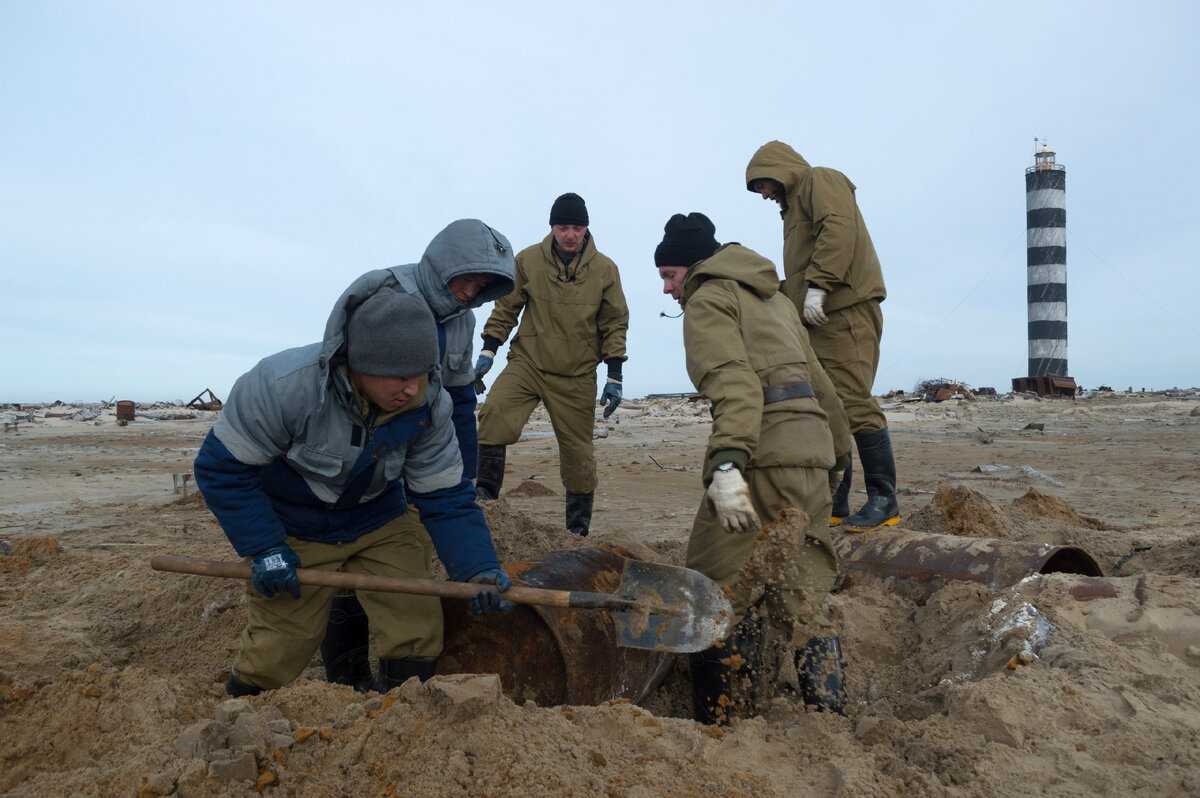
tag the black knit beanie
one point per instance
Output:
(687, 240)
(569, 209)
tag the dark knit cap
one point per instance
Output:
(569, 209)
(392, 334)
(686, 240)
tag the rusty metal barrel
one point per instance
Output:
(555, 656)
(921, 562)
(125, 410)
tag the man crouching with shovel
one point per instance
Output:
(314, 462)
(770, 449)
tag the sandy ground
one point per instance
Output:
(111, 675)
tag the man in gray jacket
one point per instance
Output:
(465, 265)
(313, 463)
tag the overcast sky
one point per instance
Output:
(185, 188)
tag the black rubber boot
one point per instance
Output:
(720, 673)
(347, 643)
(819, 665)
(841, 496)
(397, 671)
(879, 474)
(711, 679)
(491, 472)
(579, 513)
(238, 689)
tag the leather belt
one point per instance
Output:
(785, 391)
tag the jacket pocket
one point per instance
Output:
(316, 461)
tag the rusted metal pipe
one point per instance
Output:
(555, 656)
(921, 563)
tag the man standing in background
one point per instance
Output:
(573, 317)
(834, 279)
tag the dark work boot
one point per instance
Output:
(237, 688)
(819, 665)
(579, 513)
(397, 671)
(720, 675)
(879, 473)
(711, 679)
(346, 644)
(841, 495)
(491, 472)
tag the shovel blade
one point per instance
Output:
(698, 614)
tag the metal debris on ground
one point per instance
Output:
(212, 403)
(940, 389)
(1033, 473)
(1063, 387)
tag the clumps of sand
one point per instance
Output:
(518, 536)
(21, 555)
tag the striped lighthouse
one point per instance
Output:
(1046, 260)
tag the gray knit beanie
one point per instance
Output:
(392, 334)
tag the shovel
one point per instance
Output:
(656, 607)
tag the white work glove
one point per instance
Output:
(814, 307)
(730, 497)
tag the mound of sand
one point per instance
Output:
(1041, 506)
(958, 510)
(531, 488)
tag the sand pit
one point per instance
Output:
(111, 683)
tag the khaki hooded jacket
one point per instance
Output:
(575, 315)
(825, 240)
(742, 335)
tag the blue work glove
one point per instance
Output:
(490, 600)
(611, 396)
(483, 364)
(274, 570)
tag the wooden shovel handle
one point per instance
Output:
(398, 584)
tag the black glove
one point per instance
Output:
(274, 570)
(611, 397)
(491, 600)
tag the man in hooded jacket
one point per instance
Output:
(573, 317)
(465, 266)
(314, 462)
(770, 448)
(834, 279)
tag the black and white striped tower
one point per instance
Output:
(1046, 258)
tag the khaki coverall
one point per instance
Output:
(826, 245)
(742, 338)
(574, 317)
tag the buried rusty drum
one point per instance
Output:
(125, 410)
(555, 656)
(920, 562)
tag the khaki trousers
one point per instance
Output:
(571, 404)
(283, 633)
(802, 578)
(848, 347)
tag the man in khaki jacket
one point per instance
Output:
(575, 317)
(834, 279)
(770, 448)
